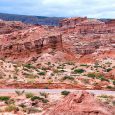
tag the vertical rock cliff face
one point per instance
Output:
(27, 48)
(28, 42)
(88, 36)
(74, 36)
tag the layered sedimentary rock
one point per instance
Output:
(85, 25)
(29, 42)
(88, 36)
(11, 26)
(75, 36)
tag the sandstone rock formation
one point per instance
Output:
(80, 104)
(89, 36)
(76, 38)
(11, 26)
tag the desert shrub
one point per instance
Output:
(44, 94)
(35, 98)
(97, 66)
(109, 87)
(29, 66)
(43, 68)
(22, 105)
(10, 101)
(68, 77)
(39, 98)
(10, 108)
(42, 73)
(29, 95)
(62, 70)
(49, 63)
(113, 103)
(91, 75)
(45, 101)
(4, 98)
(19, 92)
(109, 69)
(102, 78)
(70, 63)
(103, 96)
(65, 93)
(84, 65)
(114, 82)
(79, 71)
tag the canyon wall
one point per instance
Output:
(29, 42)
(75, 36)
(88, 36)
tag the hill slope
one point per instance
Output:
(42, 20)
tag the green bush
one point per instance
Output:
(84, 65)
(65, 93)
(109, 69)
(68, 77)
(42, 73)
(79, 71)
(29, 95)
(114, 82)
(102, 78)
(109, 87)
(91, 75)
(39, 98)
(10, 108)
(36, 98)
(29, 66)
(4, 98)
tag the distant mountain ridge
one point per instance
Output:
(42, 20)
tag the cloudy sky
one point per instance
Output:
(60, 8)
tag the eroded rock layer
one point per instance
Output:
(78, 38)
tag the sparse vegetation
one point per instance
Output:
(29, 66)
(109, 69)
(65, 93)
(29, 95)
(10, 108)
(91, 75)
(42, 73)
(19, 92)
(79, 71)
(4, 98)
(68, 77)
(39, 98)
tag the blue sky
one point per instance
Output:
(60, 8)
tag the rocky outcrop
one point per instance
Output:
(11, 26)
(71, 22)
(34, 46)
(82, 103)
(88, 36)
(75, 36)
(85, 25)
(110, 23)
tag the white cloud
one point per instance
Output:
(63, 8)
